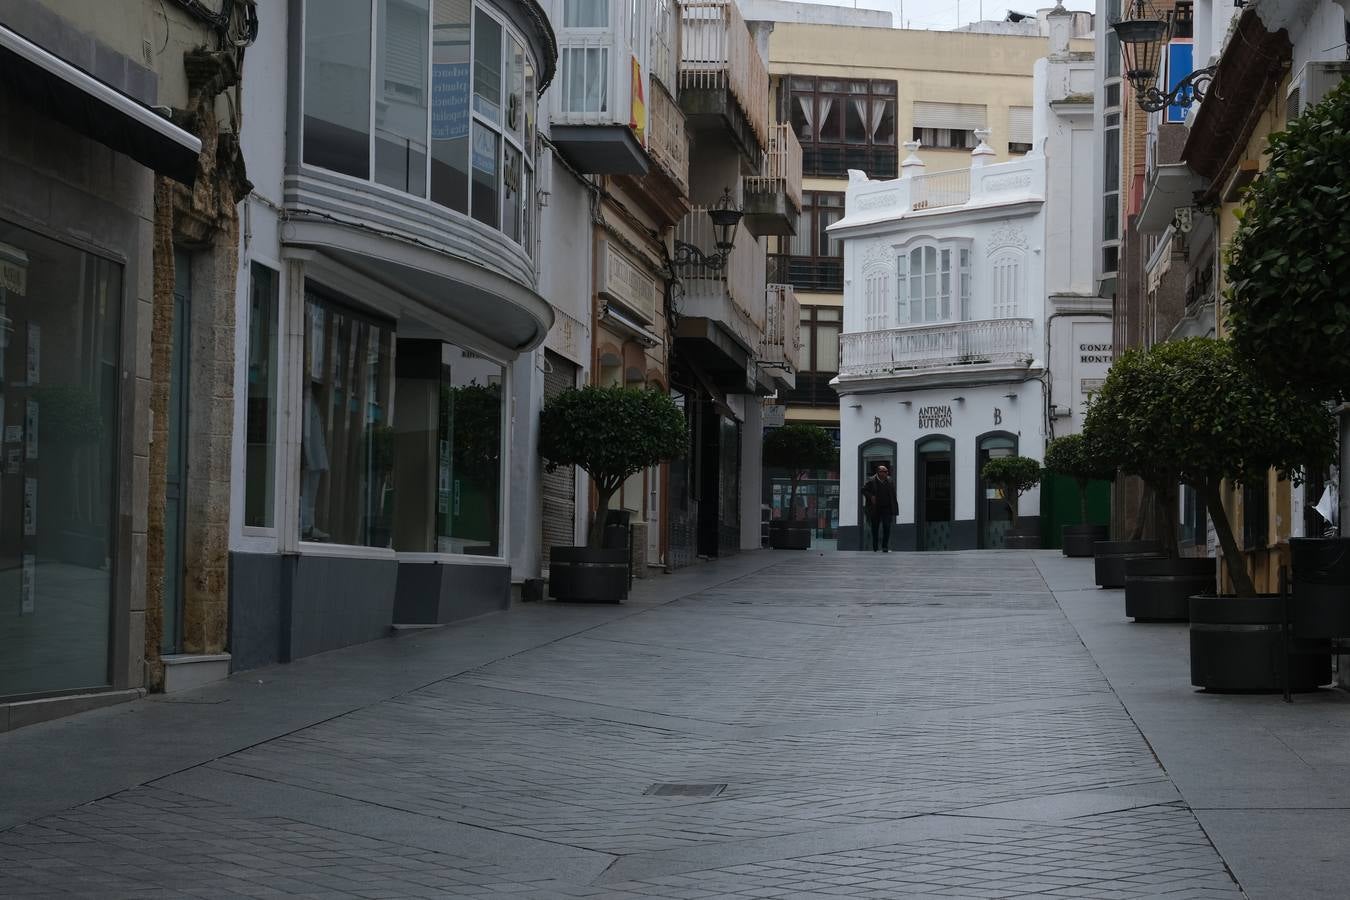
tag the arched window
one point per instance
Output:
(933, 283)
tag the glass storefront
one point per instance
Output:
(60, 322)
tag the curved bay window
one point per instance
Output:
(443, 109)
(842, 124)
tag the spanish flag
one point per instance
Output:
(639, 115)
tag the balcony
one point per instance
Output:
(782, 335)
(816, 275)
(968, 348)
(828, 161)
(722, 308)
(591, 104)
(940, 189)
(773, 199)
(724, 84)
(664, 191)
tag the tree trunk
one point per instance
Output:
(1232, 556)
(596, 539)
(792, 498)
(1164, 512)
(1142, 513)
(1011, 498)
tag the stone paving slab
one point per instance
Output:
(875, 726)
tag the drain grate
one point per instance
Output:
(669, 789)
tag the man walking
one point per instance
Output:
(882, 507)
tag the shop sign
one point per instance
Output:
(775, 416)
(934, 417)
(1094, 354)
(13, 270)
(626, 283)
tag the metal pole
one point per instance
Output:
(1284, 629)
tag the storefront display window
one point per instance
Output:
(346, 454)
(60, 323)
(260, 417)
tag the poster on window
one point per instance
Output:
(28, 590)
(14, 462)
(449, 101)
(30, 430)
(485, 151)
(34, 352)
(30, 507)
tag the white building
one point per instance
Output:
(971, 325)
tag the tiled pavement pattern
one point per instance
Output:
(885, 726)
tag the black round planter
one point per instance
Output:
(1078, 539)
(1321, 587)
(790, 535)
(1022, 539)
(1160, 590)
(1111, 555)
(583, 575)
(1237, 644)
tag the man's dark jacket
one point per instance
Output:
(881, 499)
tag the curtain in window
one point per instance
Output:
(586, 79)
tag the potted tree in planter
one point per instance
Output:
(799, 448)
(1196, 403)
(1285, 306)
(610, 433)
(1077, 456)
(1014, 476)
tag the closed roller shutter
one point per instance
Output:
(1019, 124)
(559, 487)
(961, 116)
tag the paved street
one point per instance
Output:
(777, 725)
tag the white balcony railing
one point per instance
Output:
(940, 189)
(667, 139)
(989, 341)
(718, 52)
(663, 56)
(782, 168)
(592, 88)
(782, 327)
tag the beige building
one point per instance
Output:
(854, 95)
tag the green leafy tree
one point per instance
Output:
(476, 413)
(799, 448)
(1192, 411)
(1288, 272)
(1078, 456)
(610, 433)
(1013, 476)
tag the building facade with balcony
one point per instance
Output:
(855, 110)
(389, 292)
(970, 327)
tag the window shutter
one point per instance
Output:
(1019, 124)
(961, 116)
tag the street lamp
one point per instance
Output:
(725, 215)
(1143, 33)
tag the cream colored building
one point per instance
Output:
(855, 93)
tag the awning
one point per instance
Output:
(1174, 185)
(96, 109)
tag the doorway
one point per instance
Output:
(871, 455)
(176, 470)
(991, 510)
(933, 460)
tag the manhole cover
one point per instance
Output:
(685, 790)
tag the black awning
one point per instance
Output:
(96, 109)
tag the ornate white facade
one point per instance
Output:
(971, 328)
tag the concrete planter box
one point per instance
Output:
(1111, 555)
(1023, 539)
(583, 575)
(1238, 644)
(1078, 539)
(789, 535)
(1321, 587)
(1160, 590)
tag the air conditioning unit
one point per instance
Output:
(1313, 82)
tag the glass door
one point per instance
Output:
(933, 491)
(872, 455)
(991, 509)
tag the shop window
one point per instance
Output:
(260, 416)
(455, 125)
(346, 454)
(60, 366)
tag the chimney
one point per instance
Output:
(1061, 30)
